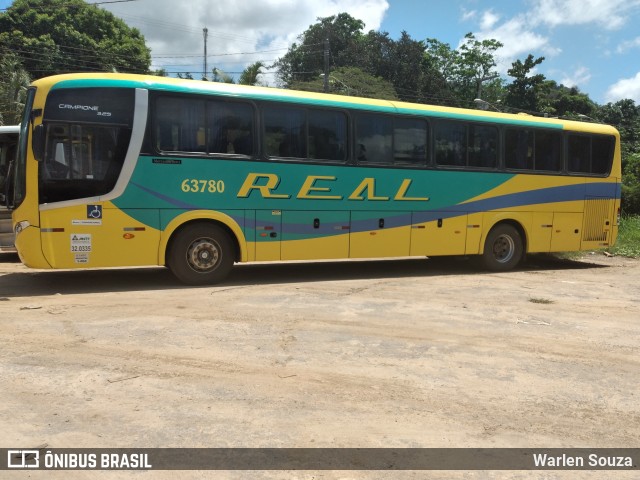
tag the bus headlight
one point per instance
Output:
(21, 226)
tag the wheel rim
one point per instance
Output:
(203, 255)
(504, 248)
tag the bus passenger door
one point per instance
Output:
(268, 234)
(445, 235)
(380, 234)
(315, 235)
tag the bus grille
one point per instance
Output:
(596, 215)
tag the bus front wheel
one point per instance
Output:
(503, 248)
(201, 254)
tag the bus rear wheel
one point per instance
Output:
(503, 248)
(201, 254)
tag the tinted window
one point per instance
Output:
(374, 138)
(92, 105)
(450, 142)
(180, 125)
(590, 154)
(284, 132)
(327, 135)
(602, 154)
(579, 153)
(229, 128)
(527, 149)
(548, 151)
(518, 149)
(483, 146)
(410, 141)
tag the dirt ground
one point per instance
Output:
(396, 353)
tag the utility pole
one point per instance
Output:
(326, 65)
(205, 32)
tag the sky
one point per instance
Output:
(591, 44)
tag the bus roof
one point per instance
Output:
(177, 85)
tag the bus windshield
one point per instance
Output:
(81, 160)
(83, 157)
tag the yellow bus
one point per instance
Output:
(126, 170)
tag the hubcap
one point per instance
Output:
(203, 255)
(504, 248)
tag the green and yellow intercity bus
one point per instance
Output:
(124, 170)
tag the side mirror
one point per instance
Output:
(37, 142)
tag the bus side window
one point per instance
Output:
(230, 128)
(579, 153)
(327, 135)
(410, 141)
(180, 124)
(483, 146)
(601, 154)
(284, 132)
(548, 151)
(450, 139)
(374, 135)
(519, 149)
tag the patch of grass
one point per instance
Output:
(628, 242)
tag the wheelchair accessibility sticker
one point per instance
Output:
(94, 216)
(94, 211)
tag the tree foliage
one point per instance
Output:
(304, 61)
(401, 63)
(57, 36)
(625, 116)
(351, 81)
(524, 92)
(250, 75)
(13, 89)
(465, 69)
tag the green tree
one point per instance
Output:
(58, 36)
(466, 69)
(567, 102)
(351, 81)
(13, 89)
(305, 61)
(400, 62)
(221, 76)
(476, 65)
(625, 116)
(631, 184)
(249, 75)
(525, 91)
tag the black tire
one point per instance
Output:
(201, 254)
(503, 249)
